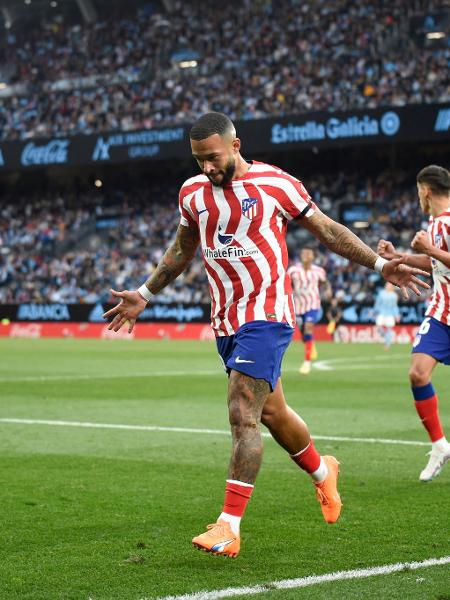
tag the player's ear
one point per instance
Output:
(236, 145)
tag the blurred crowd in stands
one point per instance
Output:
(253, 59)
(73, 247)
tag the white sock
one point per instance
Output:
(234, 522)
(441, 445)
(321, 473)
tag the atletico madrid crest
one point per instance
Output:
(250, 207)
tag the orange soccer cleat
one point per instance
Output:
(327, 494)
(219, 539)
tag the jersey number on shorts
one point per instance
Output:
(425, 327)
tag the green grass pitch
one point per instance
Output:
(108, 514)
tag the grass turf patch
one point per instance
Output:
(108, 514)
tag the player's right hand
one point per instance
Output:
(404, 277)
(127, 311)
(386, 249)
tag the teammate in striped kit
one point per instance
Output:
(307, 278)
(238, 212)
(432, 343)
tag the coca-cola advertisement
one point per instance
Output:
(53, 153)
(309, 130)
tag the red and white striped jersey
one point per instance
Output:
(305, 283)
(242, 230)
(439, 235)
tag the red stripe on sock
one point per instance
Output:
(236, 499)
(429, 415)
(308, 349)
(308, 459)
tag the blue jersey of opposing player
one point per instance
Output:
(386, 304)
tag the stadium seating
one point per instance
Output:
(67, 247)
(258, 59)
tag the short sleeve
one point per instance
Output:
(293, 198)
(294, 275)
(186, 216)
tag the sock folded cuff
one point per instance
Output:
(423, 392)
(293, 456)
(241, 490)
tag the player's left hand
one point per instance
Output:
(421, 242)
(127, 311)
(404, 277)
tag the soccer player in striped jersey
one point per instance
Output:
(432, 343)
(237, 211)
(307, 279)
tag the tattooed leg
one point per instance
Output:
(246, 398)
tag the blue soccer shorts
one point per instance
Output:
(256, 349)
(311, 316)
(433, 338)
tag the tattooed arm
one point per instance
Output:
(175, 260)
(340, 239)
(177, 257)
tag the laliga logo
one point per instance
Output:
(55, 152)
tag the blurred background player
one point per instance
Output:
(432, 343)
(334, 316)
(387, 314)
(307, 281)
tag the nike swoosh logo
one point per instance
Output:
(221, 545)
(238, 359)
(202, 211)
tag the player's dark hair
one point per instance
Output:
(436, 177)
(209, 124)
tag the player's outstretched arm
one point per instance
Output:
(421, 243)
(175, 260)
(340, 239)
(387, 250)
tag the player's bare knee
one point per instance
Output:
(240, 416)
(309, 327)
(419, 376)
(270, 418)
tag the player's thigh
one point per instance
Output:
(246, 396)
(275, 402)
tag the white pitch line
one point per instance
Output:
(70, 377)
(301, 582)
(323, 365)
(344, 364)
(90, 425)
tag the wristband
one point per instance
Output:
(145, 292)
(379, 264)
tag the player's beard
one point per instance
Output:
(228, 174)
